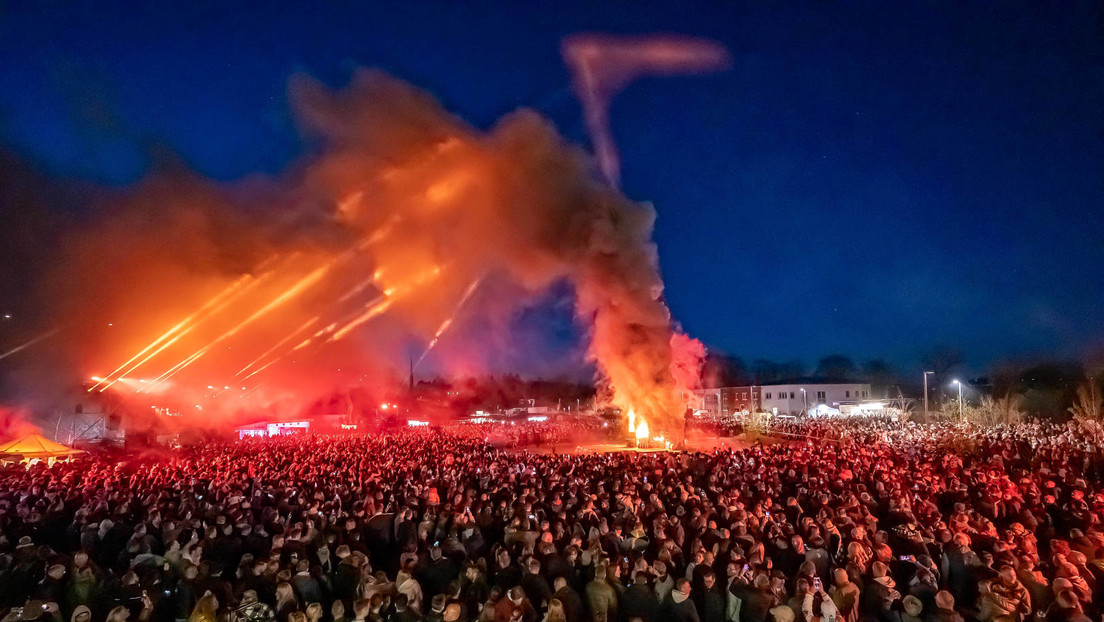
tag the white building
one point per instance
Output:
(792, 397)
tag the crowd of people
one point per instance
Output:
(882, 522)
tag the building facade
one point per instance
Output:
(790, 397)
(803, 395)
(729, 400)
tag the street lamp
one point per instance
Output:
(926, 394)
(805, 401)
(955, 381)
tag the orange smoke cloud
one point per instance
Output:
(379, 237)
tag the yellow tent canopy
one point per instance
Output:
(36, 446)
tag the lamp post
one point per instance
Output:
(926, 394)
(955, 381)
(805, 401)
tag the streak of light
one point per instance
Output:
(390, 295)
(30, 343)
(359, 287)
(259, 370)
(449, 320)
(212, 312)
(372, 312)
(380, 233)
(171, 372)
(280, 343)
(169, 333)
(293, 291)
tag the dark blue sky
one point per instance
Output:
(869, 178)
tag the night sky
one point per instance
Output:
(874, 179)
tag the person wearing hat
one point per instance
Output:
(912, 609)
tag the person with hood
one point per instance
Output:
(406, 584)
(877, 598)
(81, 614)
(912, 609)
(679, 608)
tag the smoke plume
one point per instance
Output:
(602, 65)
(189, 298)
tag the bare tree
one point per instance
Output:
(1087, 404)
(1004, 410)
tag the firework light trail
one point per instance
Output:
(449, 320)
(172, 371)
(30, 343)
(401, 185)
(283, 341)
(195, 320)
(292, 292)
(169, 333)
(390, 295)
(372, 312)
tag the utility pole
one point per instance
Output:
(960, 416)
(926, 394)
